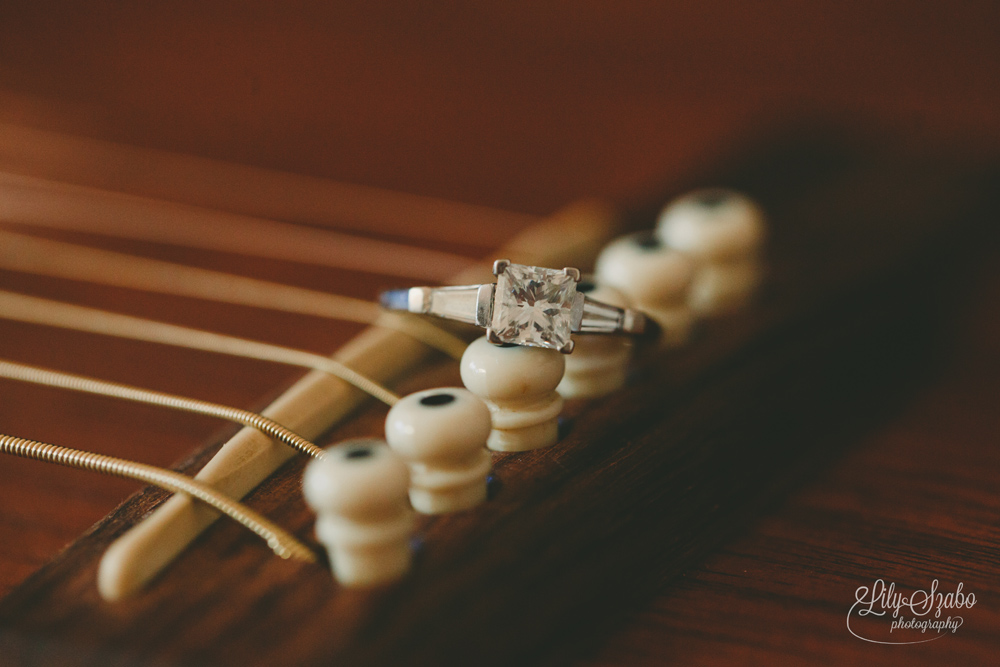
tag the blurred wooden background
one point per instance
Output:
(519, 104)
(527, 106)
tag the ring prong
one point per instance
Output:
(568, 347)
(572, 273)
(500, 266)
(491, 336)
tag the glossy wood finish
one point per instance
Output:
(911, 501)
(525, 106)
(644, 485)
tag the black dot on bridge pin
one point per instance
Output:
(585, 286)
(713, 198)
(435, 400)
(648, 241)
(359, 453)
(493, 486)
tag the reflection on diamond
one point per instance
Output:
(533, 306)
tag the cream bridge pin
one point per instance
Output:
(528, 305)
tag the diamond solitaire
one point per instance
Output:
(534, 306)
(528, 305)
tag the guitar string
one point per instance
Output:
(280, 541)
(250, 189)
(283, 544)
(39, 203)
(28, 254)
(59, 379)
(36, 310)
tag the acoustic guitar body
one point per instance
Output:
(867, 255)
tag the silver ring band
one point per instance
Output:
(528, 305)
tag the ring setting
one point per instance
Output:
(528, 305)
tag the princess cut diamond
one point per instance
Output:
(533, 306)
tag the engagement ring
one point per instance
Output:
(528, 305)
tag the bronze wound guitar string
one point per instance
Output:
(28, 254)
(58, 379)
(36, 310)
(316, 402)
(226, 186)
(40, 203)
(280, 541)
(31, 199)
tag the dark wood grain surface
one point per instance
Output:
(644, 485)
(529, 107)
(911, 501)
